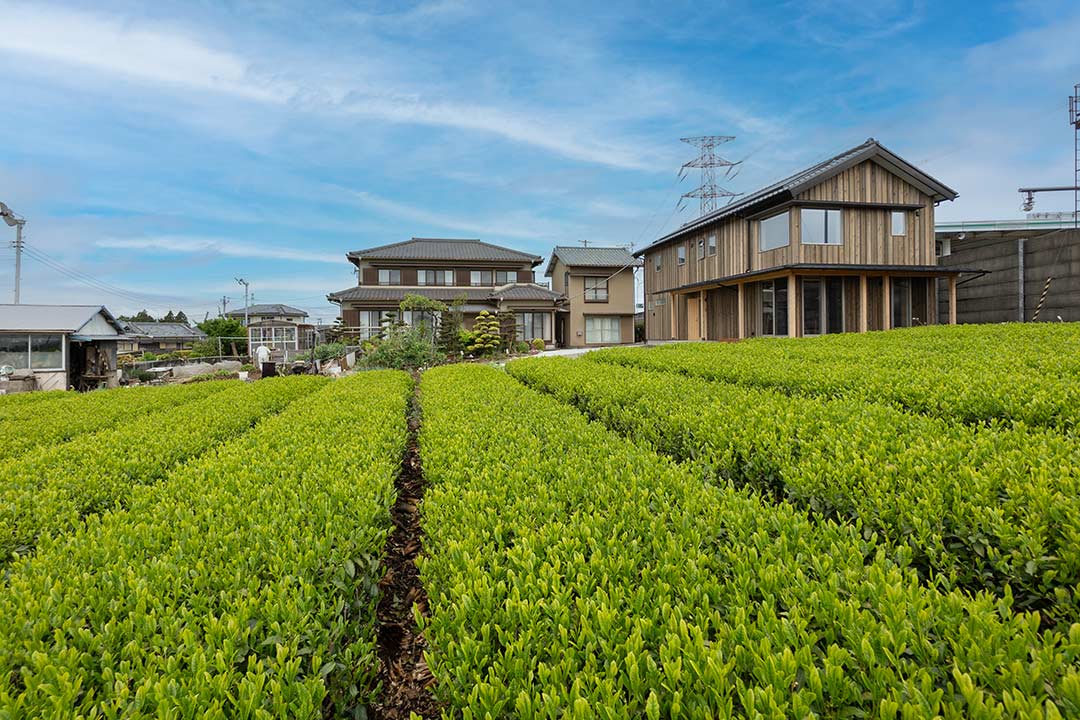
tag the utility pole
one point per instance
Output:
(224, 305)
(16, 221)
(244, 282)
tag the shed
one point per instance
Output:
(54, 347)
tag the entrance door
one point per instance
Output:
(693, 318)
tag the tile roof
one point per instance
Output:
(57, 318)
(575, 256)
(793, 185)
(164, 330)
(267, 309)
(444, 249)
(383, 293)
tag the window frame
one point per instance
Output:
(680, 254)
(711, 244)
(443, 278)
(894, 216)
(604, 332)
(786, 214)
(529, 320)
(807, 219)
(596, 289)
(28, 354)
(658, 262)
(390, 275)
(506, 276)
(701, 248)
(473, 274)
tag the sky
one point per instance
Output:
(158, 151)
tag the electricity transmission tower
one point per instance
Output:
(1029, 193)
(708, 162)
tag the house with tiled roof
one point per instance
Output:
(597, 284)
(159, 336)
(478, 275)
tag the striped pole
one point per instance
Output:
(1042, 299)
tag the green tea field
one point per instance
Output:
(883, 526)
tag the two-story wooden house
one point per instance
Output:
(845, 245)
(487, 277)
(597, 284)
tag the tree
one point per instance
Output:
(225, 328)
(448, 339)
(141, 316)
(486, 338)
(169, 317)
(428, 309)
(181, 317)
(507, 329)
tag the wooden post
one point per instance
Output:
(864, 304)
(674, 316)
(886, 303)
(742, 310)
(703, 317)
(792, 316)
(952, 299)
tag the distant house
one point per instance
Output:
(159, 337)
(485, 276)
(270, 311)
(597, 284)
(1018, 255)
(844, 245)
(53, 347)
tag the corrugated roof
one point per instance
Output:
(575, 256)
(444, 249)
(267, 309)
(54, 318)
(804, 179)
(164, 330)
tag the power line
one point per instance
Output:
(91, 281)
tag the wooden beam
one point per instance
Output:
(792, 316)
(886, 303)
(674, 317)
(703, 317)
(742, 311)
(864, 304)
(952, 299)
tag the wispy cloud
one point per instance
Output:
(217, 246)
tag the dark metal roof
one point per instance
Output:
(821, 267)
(267, 309)
(525, 291)
(163, 330)
(789, 187)
(518, 291)
(444, 249)
(607, 257)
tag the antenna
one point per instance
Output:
(1074, 119)
(708, 161)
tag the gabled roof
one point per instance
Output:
(52, 318)
(267, 309)
(164, 330)
(606, 257)
(443, 249)
(789, 187)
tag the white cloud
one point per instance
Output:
(183, 244)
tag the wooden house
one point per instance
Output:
(597, 284)
(844, 245)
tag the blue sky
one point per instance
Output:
(164, 148)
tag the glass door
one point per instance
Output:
(811, 309)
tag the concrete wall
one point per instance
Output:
(996, 297)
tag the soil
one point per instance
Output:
(406, 681)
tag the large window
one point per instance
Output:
(389, 277)
(534, 325)
(37, 351)
(711, 237)
(821, 227)
(681, 253)
(596, 289)
(899, 223)
(823, 305)
(279, 337)
(775, 232)
(503, 277)
(602, 330)
(434, 277)
(480, 278)
(774, 307)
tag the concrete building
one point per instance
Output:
(1018, 257)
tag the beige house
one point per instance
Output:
(845, 245)
(597, 284)
(484, 276)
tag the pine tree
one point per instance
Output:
(485, 334)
